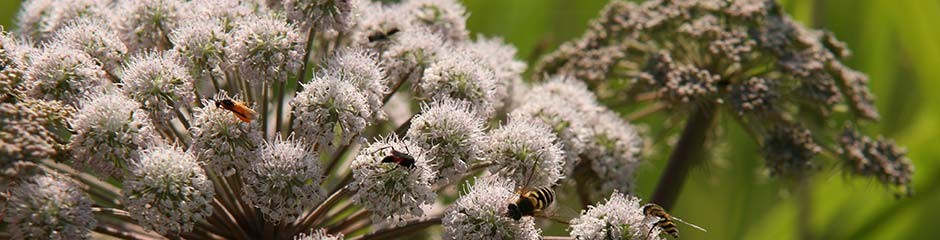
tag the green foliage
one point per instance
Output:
(894, 42)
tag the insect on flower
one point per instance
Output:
(240, 110)
(538, 202)
(382, 36)
(664, 221)
(401, 158)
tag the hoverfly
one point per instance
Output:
(241, 111)
(665, 221)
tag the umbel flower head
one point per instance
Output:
(749, 59)
(48, 206)
(220, 140)
(322, 15)
(446, 17)
(284, 179)
(499, 57)
(111, 131)
(361, 67)
(330, 111)
(459, 76)
(526, 153)
(452, 134)
(200, 45)
(619, 218)
(613, 149)
(266, 49)
(481, 213)
(410, 53)
(553, 112)
(63, 73)
(40, 19)
(168, 191)
(392, 191)
(31, 130)
(147, 24)
(96, 38)
(160, 84)
(879, 158)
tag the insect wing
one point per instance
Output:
(690, 225)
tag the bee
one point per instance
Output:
(530, 203)
(401, 158)
(241, 111)
(382, 36)
(665, 221)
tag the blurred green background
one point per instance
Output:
(897, 43)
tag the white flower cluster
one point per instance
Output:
(112, 130)
(453, 136)
(392, 191)
(49, 207)
(168, 192)
(65, 74)
(222, 141)
(160, 84)
(526, 153)
(620, 218)
(481, 213)
(267, 48)
(331, 111)
(284, 180)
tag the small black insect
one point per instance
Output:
(382, 36)
(400, 158)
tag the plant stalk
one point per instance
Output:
(687, 152)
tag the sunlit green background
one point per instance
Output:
(896, 42)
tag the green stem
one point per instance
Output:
(687, 152)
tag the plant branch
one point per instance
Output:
(409, 228)
(687, 152)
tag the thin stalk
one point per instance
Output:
(804, 201)
(307, 222)
(686, 153)
(407, 229)
(228, 220)
(337, 156)
(358, 216)
(300, 75)
(264, 109)
(646, 111)
(110, 191)
(397, 85)
(279, 93)
(119, 233)
(556, 238)
(475, 169)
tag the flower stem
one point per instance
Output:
(686, 153)
(408, 228)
